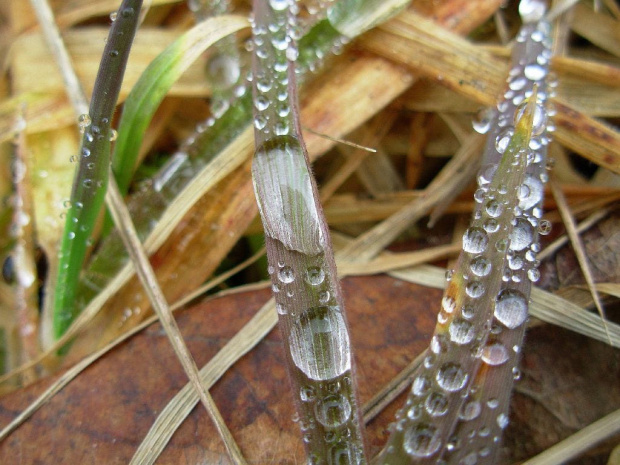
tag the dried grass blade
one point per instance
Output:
(578, 247)
(121, 217)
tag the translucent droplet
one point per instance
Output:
(438, 344)
(532, 10)
(281, 309)
(474, 289)
(448, 304)
(511, 308)
(320, 343)
(315, 275)
(475, 240)
(83, 122)
(539, 122)
(113, 16)
(534, 72)
(482, 121)
(421, 440)
(461, 331)
(494, 208)
(491, 225)
(494, 354)
(113, 135)
(332, 411)
(502, 420)
(449, 274)
(468, 312)
(436, 404)
(533, 274)
(522, 235)
(480, 266)
(503, 139)
(307, 393)
(261, 103)
(544, 227)
(421, 385)
(286, 275)
(470, 410)
(492, 403)
(451, 377)
(279, 5)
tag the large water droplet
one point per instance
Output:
(315, 275)
(451, 377)
(480, 266)
(534, 72)
(475, 240)
(332, 411)
(511, 308)
(319, 343)
(474, 289)
(421, 440)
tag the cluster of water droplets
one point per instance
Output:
(455, 411)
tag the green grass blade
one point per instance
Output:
(90, 182)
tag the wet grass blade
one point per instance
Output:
(301, 261)
(89, 186)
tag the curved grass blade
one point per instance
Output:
(155, 83)
(89, 184)
(425, 424)
(301, 261)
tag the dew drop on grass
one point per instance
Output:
(319, 343)
(332, 411)
(522, 235)
(475, 289)
(436, 404)
(475, 240)
(461, 331)
(315, 275)
(480, 266)
(532, 10)
(482, 121)
(438, 344)
(421, 385)
(286, 275)
(421, 440)
(502, 420)
(307, 393)
(539, 122)
(448, 304)
(83, 122)
(451, 377)
(511, 308)
(534, 72)
(470, 410)
(494, 354)
(279, 5)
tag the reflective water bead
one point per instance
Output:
(448, 304)
(534, 72)
(491, 225)
(468, 312)
(502, 420)
(494, 208)
(503, 139)
(83, 122)
(533, 274)
(421, 440)
(438, 344)
(451, 377)
(480, 266)
(544, 227)
(279, 5)
(436, 404)
(494, 353)
(522, 235)
(474, 289)
(475, 240)
(482, 121)
(421, 385)
(307, 393)
(286, 275)
(539, 122)
(332, 411)
(461, 331)
(470, 410)
(511, 308)
(315, 275)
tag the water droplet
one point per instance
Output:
(436, 404)
(113, 135)
(421, 440)
(448, 304)
(494, 354)
(494, 208)
(475, 240)
(324, 297)
(468, 312)
(414, 412)
(503, 139)
(480, 266)
(261, 103)
(439, 344)
(482, 121)
(279, 5)
(532, 10)
(451, 377)
(533, 274)
(470, 410)
(544, 227)
(332, 411)
(113, 16)
(539, 122)
(461, 331)
(511, 308)
(292, 53)
(281, 309)
(534, 72)
(83, 122)
(491, 225)
(474, 289)
(315, 275)
(286, 275)
(502, 420)
(421, 385)
(87, 183)
(449, 274)
(320, 343)
(522, 235)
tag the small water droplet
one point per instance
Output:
(470, 410)
(113, 16)
(494, 208)
(451, 377)
(315, 275)
(474, 289)
(502, 420)
(448, 304)
(286, 275)
(83, 122)
(503, 139)
(482, 121)
(522, 235)
(494, 354)
(421, 386)
(532, 10)
(436, 404)
(480, 266)
(332, 411)
(534, 72)
(279, 5)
